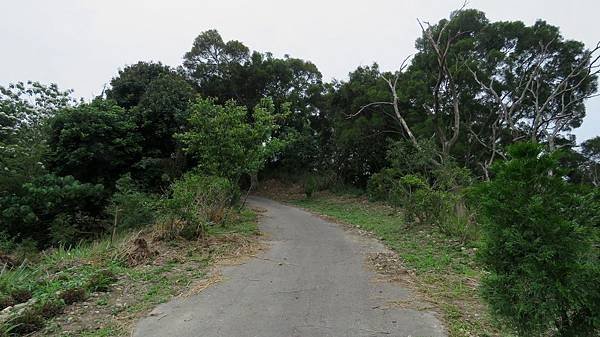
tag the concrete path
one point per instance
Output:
(313, 281)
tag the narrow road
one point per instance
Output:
(312, 281)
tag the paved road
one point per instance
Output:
(311, 282)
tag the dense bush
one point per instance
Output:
(540, 246)
(197, 202)
(429, 192)
(130, 207)
(54, 209)
(310, 185)
(95, 142)
(382, 184)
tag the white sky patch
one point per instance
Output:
(81, 44)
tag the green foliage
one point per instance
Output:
(95, 142)
(54, 209)
(24, 111)
(225, 143)
(407, 158)
(132, 208)
(429, 192)
(359, 143)
(591, 166)
(540, 246)
(25, 106)
(213, 64)
(155, 175)
(161, 112)
(382, 184)
(310, 185)
(197, 202)
(132, 82)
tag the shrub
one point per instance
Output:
(416, 197)
(383, 184)
(131, 207)
(539, 247)
(310, 185)
(197, 201)
(408, 159)
(54, 207)
(154, 175)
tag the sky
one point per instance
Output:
(81, 44)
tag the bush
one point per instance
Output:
(131, 207)
(155, 175)
(310, 185)
(54, 209)
(540, 247)
(196, 202)
(383, 184)
(408, 159)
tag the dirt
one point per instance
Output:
(119, 308)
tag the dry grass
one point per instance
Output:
(155, 270)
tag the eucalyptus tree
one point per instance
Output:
(536, 81)
(215, 66)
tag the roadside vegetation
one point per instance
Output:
(466, 154)
(440, 268)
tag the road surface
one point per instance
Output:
(312, 281)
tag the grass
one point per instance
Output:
(445, 271)
(106, 293)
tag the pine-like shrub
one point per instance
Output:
(540, 247)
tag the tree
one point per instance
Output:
(540, 237)
(162, 111)
(295, 85)
(24, 111)
(360, 140)
(95, 142)
(591, 151)
(132, 82)
(432, 96)
(214, 65)
(225, 143)
(536, 81)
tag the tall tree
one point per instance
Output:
(591, 151)
(536, 81)
(162, 111)
(132, 82)
(215, 65)
(360, 140)
(95, 142)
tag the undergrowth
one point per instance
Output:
(64, 277)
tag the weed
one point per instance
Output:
(73, 295)
(101, 280)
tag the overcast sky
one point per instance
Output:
(80, 44)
